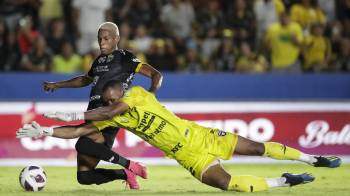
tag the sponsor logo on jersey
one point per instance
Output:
(156, 132)
(146, 121)
(110, 58)
(149, 123)
(101, 68)
(176, 148)
(102, 59)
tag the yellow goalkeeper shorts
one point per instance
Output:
(210, 145)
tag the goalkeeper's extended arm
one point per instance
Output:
(65, 116)
(65, 132)
(98, 114)
(33, 130)
(73, 131)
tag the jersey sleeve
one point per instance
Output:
(131, 62)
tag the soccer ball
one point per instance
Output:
(32, 178)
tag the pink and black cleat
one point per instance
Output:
(138, 169)
(131, 180)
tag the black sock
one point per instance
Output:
(88, 147)
(100, 176)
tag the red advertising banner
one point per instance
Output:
(317, 130)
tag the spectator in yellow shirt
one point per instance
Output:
(266, 13)
(67, 61)
(307, 13)
(317, 50)
(284, 40)
(249, 62)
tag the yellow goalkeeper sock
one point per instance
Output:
(280, 151)
(247, 183)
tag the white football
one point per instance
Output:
(32, 178)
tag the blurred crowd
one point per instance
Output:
(243, 36)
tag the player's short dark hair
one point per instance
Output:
(112, 84)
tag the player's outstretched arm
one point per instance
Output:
(73, 131)
(65, 132)
(155, 75)
(106, 112)
(98, 114)
(77, 82)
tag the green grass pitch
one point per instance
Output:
(174, 180)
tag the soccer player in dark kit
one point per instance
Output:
(112, 64)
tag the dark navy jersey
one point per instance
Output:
(120, 65)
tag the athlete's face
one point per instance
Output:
(107, 41)
(112, 95)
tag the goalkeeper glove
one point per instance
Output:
(34, 130)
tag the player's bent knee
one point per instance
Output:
(217, 183)
(216, 177)
(83, 144)
(84, 178)
(80, 144)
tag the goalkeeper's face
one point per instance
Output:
(112, 94)
(107, 41)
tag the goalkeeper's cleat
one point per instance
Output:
(295, 179)
(131, 180)
(330, 162)
(138, 169)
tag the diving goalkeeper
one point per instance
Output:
(196, 148)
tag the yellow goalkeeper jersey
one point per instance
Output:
(151, 121)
